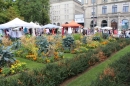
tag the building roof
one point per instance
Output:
(60, 1)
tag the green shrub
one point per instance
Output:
(84, 40)
(96, 38)
(7, 56)
(42, 43)
(105, 35)
(68, 42)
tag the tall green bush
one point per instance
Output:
(6, 56)
(68, 42)
(42, 43)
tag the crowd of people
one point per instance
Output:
(125, 33)
(38, 32)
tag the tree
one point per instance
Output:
(8, 11)
(2, 11)
(34, 10)
(13, 13)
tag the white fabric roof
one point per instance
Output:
(15, 23)
(107, 28)
(97, 27)
(33, 25)
(50, 26)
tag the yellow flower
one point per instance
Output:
(12, 71)
(48, 61)
(12, 67)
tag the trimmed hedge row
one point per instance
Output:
(118, 74)
(56, 73)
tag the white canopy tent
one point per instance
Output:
(97, 27)
(50, 26)
(15, 23)
(107, 28)
(33, 26)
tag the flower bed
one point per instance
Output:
(56, 73)
(52, 48)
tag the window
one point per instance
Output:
(86, 1)
(104, 1)
(114, 0)
(65, 10)
(67, 5)
(67, 16)
(104, 9)
(125, 8)
(93, 13)
(114, 9)
(92, 1)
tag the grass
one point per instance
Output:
(31, 65)
(68, 55)
(91, 75)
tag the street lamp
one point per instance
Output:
(94, 9)
(94, 13)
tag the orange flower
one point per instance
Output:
(0, 70)
(55, 53)
(34, 58)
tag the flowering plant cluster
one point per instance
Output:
(15, 68)
(18, 67)
(93, 44)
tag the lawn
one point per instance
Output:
(69, 55)
(31, 65)
(86, 78)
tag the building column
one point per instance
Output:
(85, 19)
(99, 22)
(119, 22)
(108, 22)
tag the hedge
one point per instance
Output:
(118, 74)
(56, 73)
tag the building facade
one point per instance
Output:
(64, 11)
(111, 13)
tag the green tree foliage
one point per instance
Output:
(34, 10)
(2, 11)
(8, 11)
